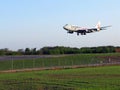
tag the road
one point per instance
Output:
(27, 57)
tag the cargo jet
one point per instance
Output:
(71, 29)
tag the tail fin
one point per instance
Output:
(98, 26)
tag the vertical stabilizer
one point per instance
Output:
(98, 26)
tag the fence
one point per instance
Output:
(49, 62)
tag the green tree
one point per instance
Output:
(27, 51)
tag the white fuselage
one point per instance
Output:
(73, 28)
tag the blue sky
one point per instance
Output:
(38, 23)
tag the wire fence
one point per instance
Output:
(42, 63)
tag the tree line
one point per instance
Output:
(60, 50)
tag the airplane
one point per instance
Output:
(71, 29)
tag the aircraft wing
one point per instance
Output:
(97, 29)
(91, 30)
(86, 30)
(103, 28)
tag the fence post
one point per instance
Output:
(11, 62)
(43, 63)
(33, 63)
(23, 64)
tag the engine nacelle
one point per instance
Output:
(70, 32)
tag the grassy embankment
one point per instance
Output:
(92, 78)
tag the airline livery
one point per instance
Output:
(71, 29)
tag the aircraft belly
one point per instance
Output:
(81, 31)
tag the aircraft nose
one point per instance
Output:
(65, 27)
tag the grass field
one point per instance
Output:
(69, 60)
(92, 78)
